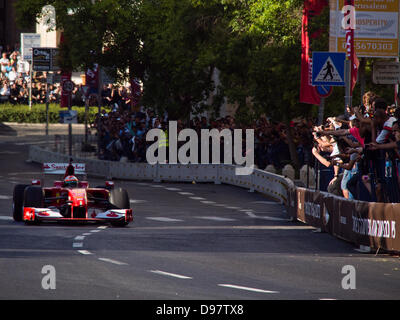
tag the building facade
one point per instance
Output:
(9, 32)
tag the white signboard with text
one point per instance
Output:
(386, 72)
(376, 33)
(29, 41)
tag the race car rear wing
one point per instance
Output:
(60, 168)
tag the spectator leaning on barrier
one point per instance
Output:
(369, 150)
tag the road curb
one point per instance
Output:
(41, 125)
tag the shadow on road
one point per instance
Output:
(7, 130)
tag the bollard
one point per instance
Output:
(270, 168)
(289, 172)
(311, 176)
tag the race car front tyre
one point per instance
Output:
(18, 201)
(33, 197)
(119, 199)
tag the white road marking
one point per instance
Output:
(252, 215)
(137, 201)
(197, 198)
(215, 218)
(29, 143)
(327, 299)
(157, 186)
(77, 245)
(79, 238)
(246, 288)
(34, 173)
(84, 252)
(5, 218)
(113, 261)
(170, 274)
(233, 208)
(102, 227)
(5, 197)
(173, 189)
(208, 202)
(86, 234)
(268, 202)
(163, 219)
(186, 193)
(94, 231)
(220, 205)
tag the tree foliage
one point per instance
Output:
(174, 46)
(181, 42)
(104, 32)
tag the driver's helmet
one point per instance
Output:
(71, 182)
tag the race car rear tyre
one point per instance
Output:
(119, 198)
(34, 197)
(18, 201)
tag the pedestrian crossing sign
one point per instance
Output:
(328, 68)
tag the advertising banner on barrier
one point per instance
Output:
(343, 219)
(362, 223)
(359, 212)
(313, 208)
(379, 225)
(329, 208)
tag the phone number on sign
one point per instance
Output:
(375, 46)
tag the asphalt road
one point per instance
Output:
(187, 241)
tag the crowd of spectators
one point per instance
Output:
(123, 136)
(357, 153)
(361, 150)
(15, 82)
(14, 78)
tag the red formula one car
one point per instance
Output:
(70, 199)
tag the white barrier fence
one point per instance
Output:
(264, 182)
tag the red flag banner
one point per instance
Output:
(65, 76)
(64, 99)
(92, 79)
(308, 94)
(350, 21)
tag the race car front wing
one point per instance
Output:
(50, 214)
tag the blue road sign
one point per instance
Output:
(328, 69)
(324, 91)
